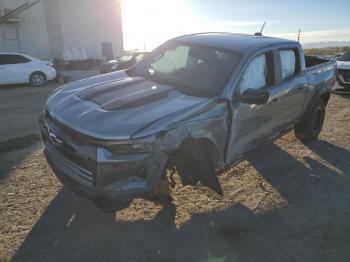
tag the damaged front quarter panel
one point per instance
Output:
(194, 143)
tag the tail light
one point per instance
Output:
(50, 65)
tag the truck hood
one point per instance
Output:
(343, 65)
(116, 106)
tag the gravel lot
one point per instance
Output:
(285, 202)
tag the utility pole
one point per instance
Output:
(299, 35)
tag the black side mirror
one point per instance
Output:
(254, 97)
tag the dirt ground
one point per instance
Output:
(285, 202)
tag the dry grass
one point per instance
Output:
(285, 202)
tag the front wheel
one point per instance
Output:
(37, 79)
(310, 126)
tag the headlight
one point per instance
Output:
(131, 146)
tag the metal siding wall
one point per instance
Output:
(8, 38)
(52, 25)
(33, 32)
(89, 23)
(31, 29)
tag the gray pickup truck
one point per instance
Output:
(196, 104)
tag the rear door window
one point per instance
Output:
(290, 63)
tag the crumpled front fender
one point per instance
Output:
(209, 125)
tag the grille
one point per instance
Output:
(70, 168)
(67, 154)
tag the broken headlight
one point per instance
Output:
(131, 146)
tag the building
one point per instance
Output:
(45, 28)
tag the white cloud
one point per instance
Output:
(317, 36)
(237, 23)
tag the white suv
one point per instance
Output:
(343, 70)
(19, 68)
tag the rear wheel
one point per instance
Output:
(309, 128)
(37, 79)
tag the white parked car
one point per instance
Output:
(20, 68)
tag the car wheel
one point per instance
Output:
(309, 128)
(37, 79)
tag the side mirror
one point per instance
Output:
(254, 97)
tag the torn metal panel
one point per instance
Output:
(211, 123)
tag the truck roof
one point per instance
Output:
(234, 42)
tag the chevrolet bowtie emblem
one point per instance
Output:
(54, 139)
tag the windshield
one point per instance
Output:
(345, 57)
(193, 69)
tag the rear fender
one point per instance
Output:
(321, 93)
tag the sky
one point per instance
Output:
(148, 23)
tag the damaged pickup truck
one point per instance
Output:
(196, 104)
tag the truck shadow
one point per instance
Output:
(13, 151)
(312, 227)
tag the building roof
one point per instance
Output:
(10, 53)
(234, 42)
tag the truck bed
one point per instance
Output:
(320, 72)
(311, 61)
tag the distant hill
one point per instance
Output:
(326, 44)
(326, 50)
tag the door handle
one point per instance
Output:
(274, 101)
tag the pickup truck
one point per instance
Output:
(197, 104)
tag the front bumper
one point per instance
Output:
(51, 74)
(101, 198)
(105, 178)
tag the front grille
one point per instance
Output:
(69, 152)
(66, 150)
(70, 168)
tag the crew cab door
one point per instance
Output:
(251, 123)
(292, 82)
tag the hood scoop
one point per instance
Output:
(127, 94)
(91, 94)
(136, 100)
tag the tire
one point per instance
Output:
(161, 192)
(310, 126)
(37, 79)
